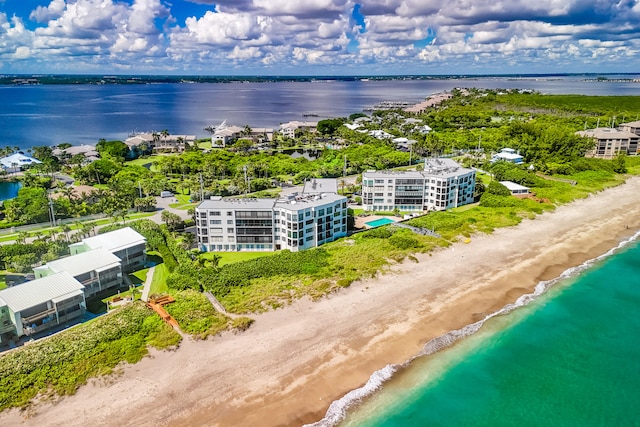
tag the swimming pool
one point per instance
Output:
(379, 222)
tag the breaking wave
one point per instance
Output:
(338, 409)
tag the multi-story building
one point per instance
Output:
(609, 142)
(297, 222)
(40, 304)
(443, 184)
(289, 129)
(125, 243)
(97, 270)
(633, 127)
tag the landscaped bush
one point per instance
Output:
(307, 262)
(405, 240)
(196, 316)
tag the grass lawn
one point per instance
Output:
(183, 202)
(159, 281)
(138, 277)
(233, 257)
(144, 161)
(3, 280)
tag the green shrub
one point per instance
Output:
(242, 323)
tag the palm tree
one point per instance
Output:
(66, 229)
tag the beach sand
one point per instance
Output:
(293, 362)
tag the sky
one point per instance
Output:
(319, 37)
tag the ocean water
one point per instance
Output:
(569, 356)
(83, 114)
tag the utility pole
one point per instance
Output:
(246, 182)
(344, 168)
(52, 212)
(201, 188)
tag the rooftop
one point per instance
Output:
(635, 124)
(94, 260)
(606, 133)
(115, 240)
(18, 159)
(512, 186)
(320, 185)
(35, 292)
(302, 201)
(237, 203)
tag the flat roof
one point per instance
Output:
(30, 294)
(320, 185)
(94, 260)
(237, 204)
(392, 174)
(512, 186)
(303, 201)
(115, 240)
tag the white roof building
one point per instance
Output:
(507, 155)
(125, 243)
(17, 161)
(115, 240)
(39, 291)
(515, 188)
(43, 303)
(94, 260)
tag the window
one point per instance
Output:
(216, 231)
(307, 213)
(329, 210)
(229, 213)
(230, 230)
(229, 222)
(215, 222)
(321, 212)
(214, 213)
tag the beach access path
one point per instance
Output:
(293, 362)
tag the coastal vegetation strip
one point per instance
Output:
(62, 363)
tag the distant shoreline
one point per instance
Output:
(98, 79)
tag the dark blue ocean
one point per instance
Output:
(571, 357)
(83, 114)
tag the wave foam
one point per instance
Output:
(338, 409)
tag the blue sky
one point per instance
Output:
(333, 37)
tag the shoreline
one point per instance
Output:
(294, 362)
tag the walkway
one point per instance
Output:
(147, 284)
(217, 305)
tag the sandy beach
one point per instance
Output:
(293, 362)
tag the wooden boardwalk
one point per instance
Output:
(156, 304)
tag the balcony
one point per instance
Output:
(38, 316)
(7, 328)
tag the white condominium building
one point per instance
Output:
(297, 222)
(443, 184)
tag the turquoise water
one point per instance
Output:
(570, 358)
(9, 190)
(379, 222)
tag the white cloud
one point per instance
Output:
(315, 33)
(47, 13)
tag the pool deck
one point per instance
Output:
(361, 221)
